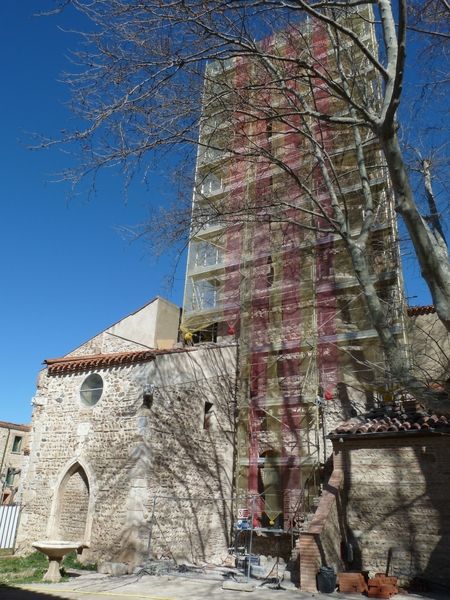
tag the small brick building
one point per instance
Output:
(386, 504)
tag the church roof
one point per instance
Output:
(73, 364)
(16, 426)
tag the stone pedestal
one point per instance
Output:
(53, 575)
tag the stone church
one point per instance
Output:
(132, 454)
(131, 446)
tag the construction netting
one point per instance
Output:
(277, 190)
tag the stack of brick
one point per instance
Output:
(382, 586)
(352, 583)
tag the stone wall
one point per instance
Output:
(130, 454)
(74, 507)
(430, 350)
(13, 458)
(105, 343)
(395, 496)
(190, 487)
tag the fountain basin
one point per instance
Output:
(55, 550)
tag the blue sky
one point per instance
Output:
(66, 271)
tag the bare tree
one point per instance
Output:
(141, 86)
(432, 18)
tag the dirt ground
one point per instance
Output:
(94, 586)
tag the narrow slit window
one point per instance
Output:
(10, 474)
(207, 415)
(17, 444)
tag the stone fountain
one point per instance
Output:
(55, 551)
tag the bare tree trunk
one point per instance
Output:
(431, 250)
(396, 358)
(433, 217)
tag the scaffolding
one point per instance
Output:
(262, 271)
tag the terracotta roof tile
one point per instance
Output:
(404, 417)
(7, 425)
(417, 311)
(72, 364)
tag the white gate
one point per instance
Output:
(9, 521)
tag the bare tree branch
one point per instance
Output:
(153, 75)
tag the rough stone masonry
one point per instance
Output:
(147, 469)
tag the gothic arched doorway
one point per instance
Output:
(73, 501)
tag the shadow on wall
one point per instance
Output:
(182, 459)
(397, 518)
(351, 549)
(434, 461)
(192, 474)
(430, 343)
(179, 448)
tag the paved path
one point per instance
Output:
(94, 586)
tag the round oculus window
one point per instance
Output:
(91, 389)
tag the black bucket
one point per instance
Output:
(326, 580)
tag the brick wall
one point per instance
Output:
(320, 545)
(395, 494)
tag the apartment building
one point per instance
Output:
(13, 450)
